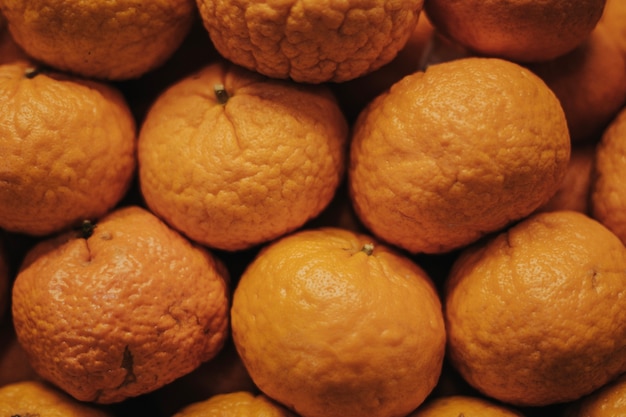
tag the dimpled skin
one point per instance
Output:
(464, 406)
(121, 313)
(537, 314)
(239, 403)
(114, 39)
(518, 30)
(456, 152)
(68, 149)
(331, 330)
(608, 189)
(35, 398)
(310, 41)
(234, 175)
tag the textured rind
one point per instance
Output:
(122, 313)
(238, 174)
(458, 151)
(310, 40)
(68, 149)
(113, 40)
(537, 315)
(348, 333)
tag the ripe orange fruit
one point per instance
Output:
(590, 83)
(608, 193)
(233, 159)
(536, 315)
(519, 30)
(239, 403)
(112, 40)
(34, 398)
(607, 401)
(455, 152)
(614, 20)
(310, 41)
(331, 323)
(120, 312)
(573, 194)
(68, 149)
(463, 406)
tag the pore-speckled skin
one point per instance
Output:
(123, 312)
(537, 314)
(68, 149)
(310, 40)
(456, 152)
(235, 175)
(332, 330)
(113, 39)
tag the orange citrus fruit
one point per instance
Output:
(308, 40)
(35, 398)
(238, 403)
(614, 20)
(456, 151)
(536, 314)
(233, 159)
(119, 310)
(331, 323)
(590, 83)
(608, 190)
(607, 401)
(68, 147)
(519, 30)
(112, 40)
(464, 406)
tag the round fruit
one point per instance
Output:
(519, 30)
(536, 315)
(308, 40)
(68, 149)
(112, 40)
(456, 152)
(119, 310)
(331, 323)
(233, 159)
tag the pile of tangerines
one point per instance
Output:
(307, 208)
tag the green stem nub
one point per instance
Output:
(86, 229)
(368, 248)
(220, 93)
